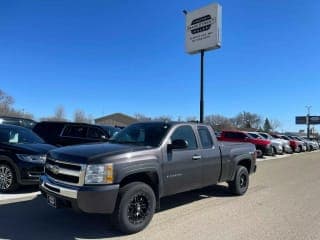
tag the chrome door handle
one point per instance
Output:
(196, 157)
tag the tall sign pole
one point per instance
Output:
(308, 121)
(201, 88)
(203, 33)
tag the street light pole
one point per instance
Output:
(308, 120)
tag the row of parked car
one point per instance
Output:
(24, 144)
(270, 144)
(23, 148)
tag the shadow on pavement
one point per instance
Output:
(36, 220)
(196, 195)
(27, 189)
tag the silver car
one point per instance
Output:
(276, 145)
(284, 143)
(311, 145)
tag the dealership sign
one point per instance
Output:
(203, 29)
(312, 120)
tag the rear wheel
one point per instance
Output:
(8, 179)
(274, 151)
(240, 183)
(135, 207)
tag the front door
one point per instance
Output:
(182, 167)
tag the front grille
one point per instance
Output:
(63, 177)
(65, 172)
(64, 165)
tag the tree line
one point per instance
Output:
(7, 109)
(243, 120)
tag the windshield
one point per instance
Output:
(142, 134)
(285, 137)
(18, 135)
(298, 138)
(254, 135)
(19, 122)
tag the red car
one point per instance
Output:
(239, 136)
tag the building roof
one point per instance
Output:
(117, 117)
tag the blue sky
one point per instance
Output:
(128, 56)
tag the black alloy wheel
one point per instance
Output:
(138, 209)
(135, 207)
(240, 183)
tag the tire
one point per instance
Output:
(135, 207)
(8, 178)
(274, 151)
(240, 183)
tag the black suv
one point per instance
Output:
(22, 157)
(23, 122)
(68, 133)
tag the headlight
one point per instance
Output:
(32, 158)
(99, 174)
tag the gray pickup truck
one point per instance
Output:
(128, 176)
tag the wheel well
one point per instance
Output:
(246, 163)
(150, 178)
(6, 162)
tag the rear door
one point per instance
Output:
(210, 157)
(182, 167)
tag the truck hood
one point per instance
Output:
(87, 153)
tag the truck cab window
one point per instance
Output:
(186, 133)
(205, 137)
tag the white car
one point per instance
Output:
(285, 143)
(311, 145)
(276, 144)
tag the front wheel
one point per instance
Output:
(135, 207)
(8, 180)
(240, 183)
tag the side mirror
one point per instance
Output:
(178, 144)
(246, 139)
(103, 137)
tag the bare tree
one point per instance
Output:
(80, 116)
(6, 103)
(191, 119)
(6, 107)
(247, 120)
(141, 117)
(275, 124)
(163, 118)
(59, 115)
(219, 122)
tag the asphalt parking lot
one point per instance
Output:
(281, 203)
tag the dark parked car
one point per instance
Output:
(22, 157)
(68, 133)
(23, 122)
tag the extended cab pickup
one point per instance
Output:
(144, 162)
